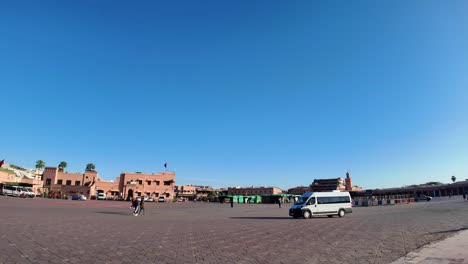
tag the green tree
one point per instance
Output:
(62, 165)
(454, 178)
(40, 164)
(212, 196)
(90, 167)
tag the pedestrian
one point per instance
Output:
(142, 206)
(135, 207)
(279, 202)
(464, 196)
(232, 202)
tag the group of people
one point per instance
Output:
(138, 206)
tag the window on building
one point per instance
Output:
(59, 182)
(68, 182)
(158, 182)
(77, 183)
(48, 181)
(149, 182)
(167, 183)
(140, 182)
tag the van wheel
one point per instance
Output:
(306, 214)
(341, 213)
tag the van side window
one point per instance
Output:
(332, 200)
(311, 201)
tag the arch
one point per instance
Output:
(130, 194)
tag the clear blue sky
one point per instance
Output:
(244, 93)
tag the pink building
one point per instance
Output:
(126, 186)
(153, 185)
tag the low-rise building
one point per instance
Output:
(186, 191)
(253, 190)
(14, 175)
(299, 190)
(57, 181)
(126, 186)
(340, 184)
(191, 192)
(154, 184)
(325, 185)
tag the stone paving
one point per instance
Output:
(54, 231)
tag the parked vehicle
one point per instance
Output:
(422, 198)
(29, 192)
(79, 197)
(149, 199)
(322, 203)
(161, 199)
(100, 196)
(15, 191)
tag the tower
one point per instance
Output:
(348, 185)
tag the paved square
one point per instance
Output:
(54, 231)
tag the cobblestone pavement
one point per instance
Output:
(54, 231)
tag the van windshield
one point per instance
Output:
(302, 200)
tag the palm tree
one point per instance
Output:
(62, 165)
(454, 178)
(90, 167)
(40, 164)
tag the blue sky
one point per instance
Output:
(238, 93)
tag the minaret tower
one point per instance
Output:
(348, 185)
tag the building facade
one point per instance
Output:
(253, 190)
(191, 192)
(299, 190)
(334, 184)
(153, 185)
(56, 181)
(186, 191)
(126, 186)
(13, 175)
(434, 189)
(325, 185)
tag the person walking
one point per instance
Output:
(279, 202)
(232, 202)
(464, 196)
(136, 207)
(142, 206)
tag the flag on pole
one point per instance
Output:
(1, 163)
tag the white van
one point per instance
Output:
(28, 192)
(8, 190)
(322, 203)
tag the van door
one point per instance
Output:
(325, 206)
(312, 206)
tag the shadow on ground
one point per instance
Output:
(450, 231)
(262, 218)
(113, 213)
